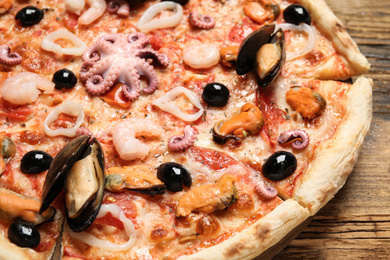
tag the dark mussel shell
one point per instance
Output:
(221, 139)
(247, 54)
(154, 190)
(79, 148)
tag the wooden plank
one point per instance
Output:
(356, 223)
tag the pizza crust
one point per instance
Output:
(334, 29)
(335, 158)
(257, 238)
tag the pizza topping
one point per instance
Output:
(299, 138)
(118, 213)
(7, 151)
(7, 57)
(228, 55)
(310, 41)
(23, 88)
(49, 43)
(14, 205)
(35, 162)
(174, 176)
(79, 169)
(262, 11)
(120, 7)
(135, 178)
(147, 23)
(182, 142)
(264, 50)
(208, 198)
(68, 107)
(279, 166)
(201, 21)
(265, 190)
(74, 6)
(249, 120)
(96, 10)
(216, 94)
(182, 2)
(64, 78)
(5, 5)
(164, 104)
(120, 58)
(24, 234)
(125, 133)
(306, 102)
(201, 56)
(29, 16)
(296, 14)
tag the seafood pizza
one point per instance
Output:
(186, 129)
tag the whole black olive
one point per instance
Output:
(181, 2)
(35, 162)
(24, 234)
(215, 94)
(174, 176)
(64, 78)
(296, 14)
(29, 15)
(279, 166)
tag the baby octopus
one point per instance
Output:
(7, 57)
(120, 58)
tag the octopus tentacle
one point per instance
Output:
(201, 21)
(158, 58)
(144, 68)
(299, 138)
(265, 190)
(103, 47)
(7, 57)
(182, 142)
(98, 84)
(119, 7)
(131, 88)
(138, 40)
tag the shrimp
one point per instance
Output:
(201, 56)
(24, 88)
(96, 9)
(124, 137)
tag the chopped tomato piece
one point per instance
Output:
(214, 159)
(116, 97)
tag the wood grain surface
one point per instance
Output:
(355, 224)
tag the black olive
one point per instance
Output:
(296, 14)
(174, 176)
(24, 234)
(35, 162)
(64, 78)
(29, 15)
(181, 2)
(215, 94)
(279, 166)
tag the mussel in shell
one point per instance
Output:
(78, 168)
(264, 50)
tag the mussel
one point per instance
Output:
(264, 50)
(248, 121)
(135, 178)
(78, 168)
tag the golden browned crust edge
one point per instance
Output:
(333, 28)
(334, 159)
(258, 237)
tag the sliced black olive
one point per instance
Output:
(174, 176)
(64, 78)
(35, 162)
(181, 2)
(279, 166)
(216, 94)
(296, 14)
(29, 15)
(24, 234)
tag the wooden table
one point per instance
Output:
(356, 223)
